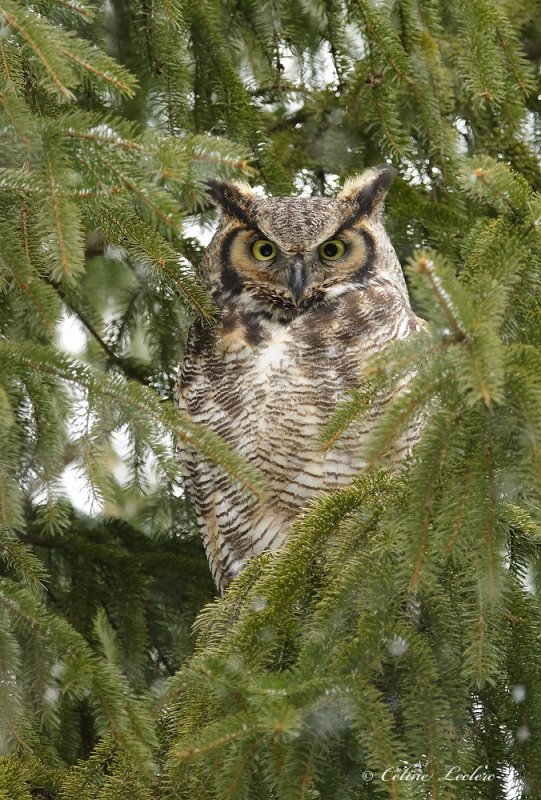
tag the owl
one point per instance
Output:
(308, 290)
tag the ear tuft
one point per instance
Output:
(369, 189)
(232, 196)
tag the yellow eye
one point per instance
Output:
(263, 250)
(332, 249)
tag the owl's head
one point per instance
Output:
(283, 255)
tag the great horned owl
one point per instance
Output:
(309, 289)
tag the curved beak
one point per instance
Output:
(296, 280)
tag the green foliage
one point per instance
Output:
(400, 624)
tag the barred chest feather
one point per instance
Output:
(267, 386)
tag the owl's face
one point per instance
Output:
(283, 255)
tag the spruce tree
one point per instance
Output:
(393, 645)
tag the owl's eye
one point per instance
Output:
(332, 249)
(263, 250)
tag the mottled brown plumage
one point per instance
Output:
(297, 326)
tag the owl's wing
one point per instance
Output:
(209, 490)
(190, 461)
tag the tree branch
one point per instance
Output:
(113, 357)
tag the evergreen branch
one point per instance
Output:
(399, 359)
(425, 267)
(103, 75)
(36, 300)
(154, 252)
(22, 743)
(240, 164)
(529, 414)
(78, 8)
(73, 647)
(411, 358)
(3, 505)
(396, 147)
(141, 194)
(26, 240)
(481, 175)
(380, 109)
(143, 403)
(409, 400)
(489, 533)
(124, 325)
(374, 35)
(70, 249)
(427, 486)
(517, 516)
(306, 777)
(17, 261)
(117, 141)
(240, 770)
(173, 13)
(117, 732)
(18, 556)
(14, 22)
(518, 78)
(165, 661)
(185, 290)
(112, 356)
(15, 180)
(481, 624)
(5, 63)
(15, 123)
(243, 733)
(489, 180)
(459, 519)
(360, 400)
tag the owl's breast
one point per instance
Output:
(268, 388)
